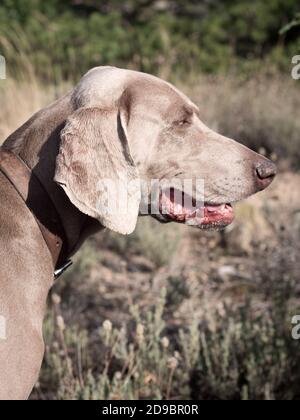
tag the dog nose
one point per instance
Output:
(265, 173)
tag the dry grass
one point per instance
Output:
(260, 112)
(155, 242)
(21, 99)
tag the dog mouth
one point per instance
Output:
(175, 206)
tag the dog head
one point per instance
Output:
(135, 145)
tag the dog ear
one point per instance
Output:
(95, 168)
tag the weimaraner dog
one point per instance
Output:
(116, 125)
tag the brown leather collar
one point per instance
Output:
(39, 203)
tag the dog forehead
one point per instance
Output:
(105, 85)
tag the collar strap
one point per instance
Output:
(39, 203)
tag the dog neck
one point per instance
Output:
(37, 144)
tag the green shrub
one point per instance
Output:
(235, 354)
(64, 39)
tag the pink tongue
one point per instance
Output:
(203, 215)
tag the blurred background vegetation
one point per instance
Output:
(64, 38)
(172, 312)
